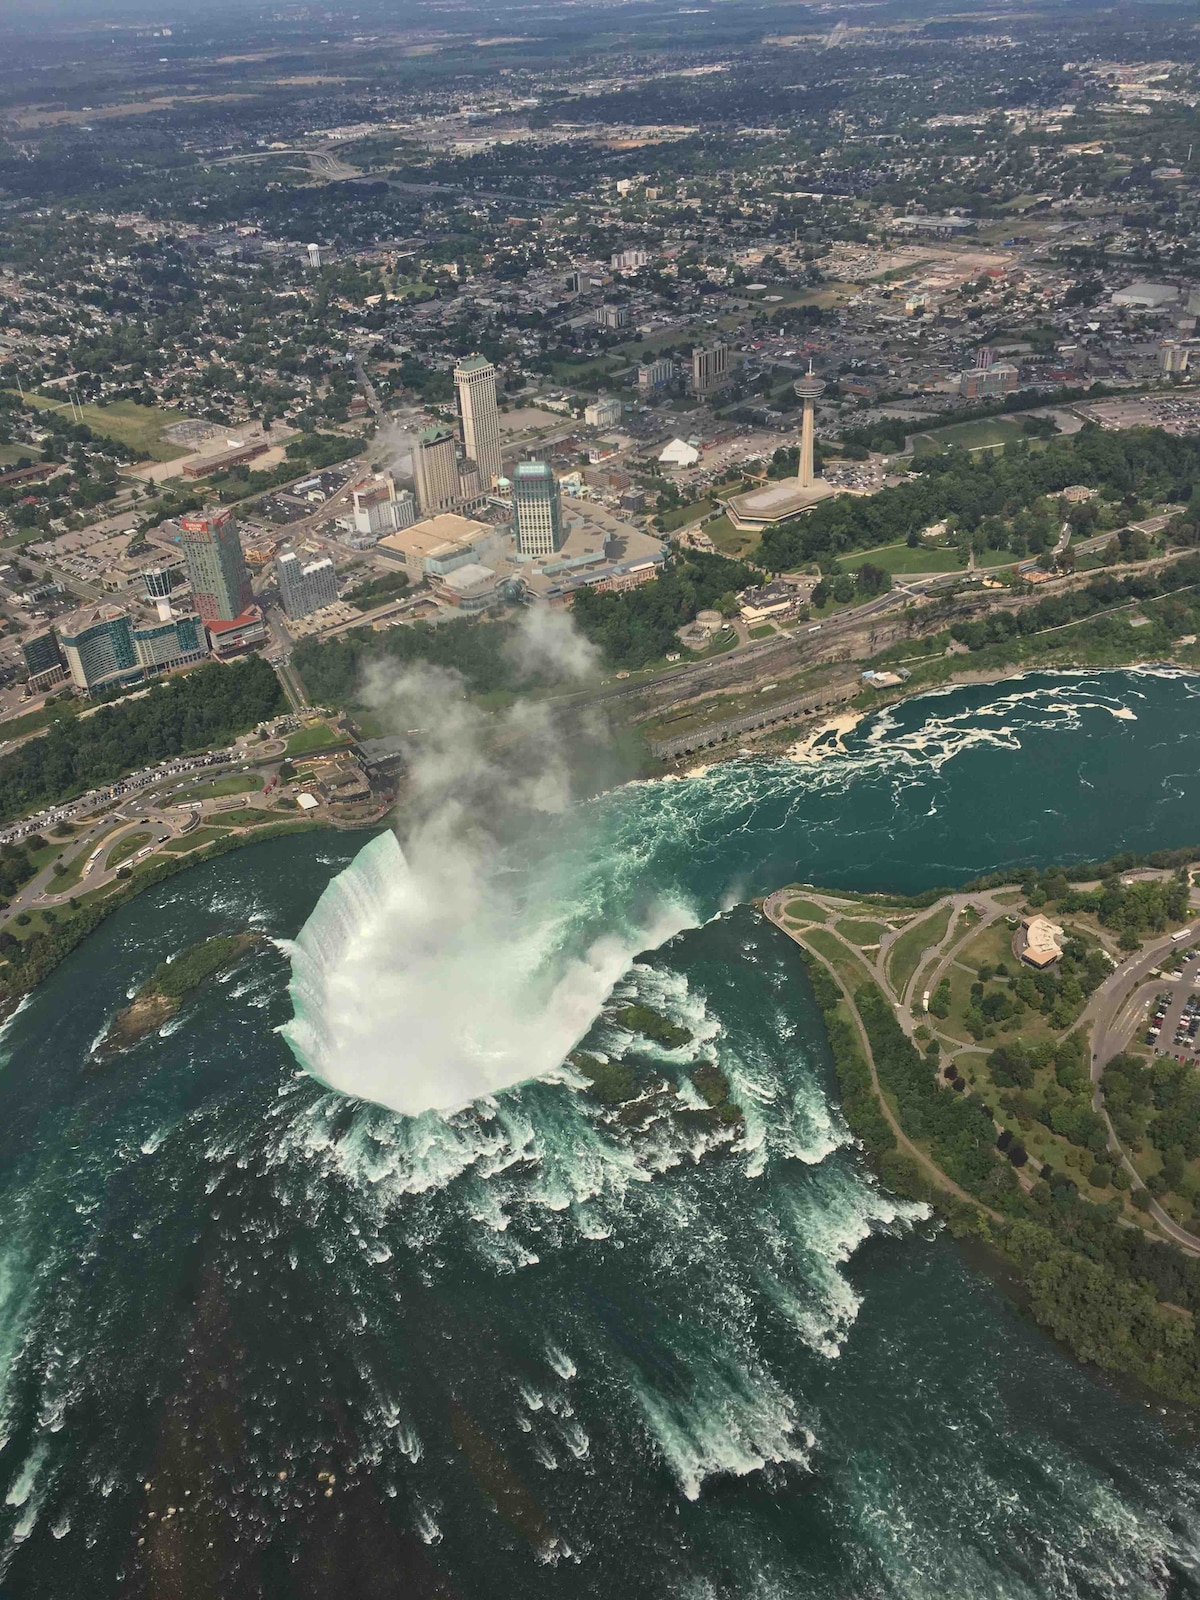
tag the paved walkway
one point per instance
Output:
(773, 911)
(1110, 1015)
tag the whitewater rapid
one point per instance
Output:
(546, 1347)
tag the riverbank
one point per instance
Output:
(826, 735)
(36, 958)
(1092, 1269)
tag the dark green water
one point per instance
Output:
(540, 1355)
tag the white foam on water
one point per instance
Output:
(7, 1024)
(561, 1362)
(27, 1493)
(427, 1528)
(825, 1223)
(731, 1423)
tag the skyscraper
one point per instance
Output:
(305, 589)
(216, 567)
(537, 509)
(475, 380)
(435, 468)
(710, 368)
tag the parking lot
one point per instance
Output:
(1174, 1024)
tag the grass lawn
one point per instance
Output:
(128, 846)
(586, 375)
(991, 945)
(912, 945)
(730, 542)
(763, 631)
(256, 818)
(233, 783)
(681, 516)
(801, 910)
(984, 433)
(140, 427)
(901, 559)
(76, 865)
(850, 971)
(317, 737)
(861, 933)
(31, 721)
(192, 841)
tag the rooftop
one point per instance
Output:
(433, 533)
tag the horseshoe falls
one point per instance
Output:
(425, 991)
(346, 1283)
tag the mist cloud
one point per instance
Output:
(468, 960)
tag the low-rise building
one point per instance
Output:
(471, 587)
(1142, 296)
(437, 545)
(239, 636)
(1039, 942)
(1001, 377)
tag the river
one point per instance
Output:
(260, 1338)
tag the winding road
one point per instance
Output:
(1111, 1015)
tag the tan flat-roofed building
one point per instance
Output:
(440, 540)
(1039, 941)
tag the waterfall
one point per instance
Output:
(427, 987)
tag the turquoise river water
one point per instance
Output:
(260, 1338)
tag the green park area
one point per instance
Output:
(986, 433)
(215, 788)
(902, 558)
(1006, 1036)
(905, 954)
(984, 1103)
(683, 516)
(316, 736)
(140, 428)
(730, 541)
(128, 846)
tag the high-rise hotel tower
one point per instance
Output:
(475, 381)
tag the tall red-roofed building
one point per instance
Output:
(216, 567)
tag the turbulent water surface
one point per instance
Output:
(261, 1338)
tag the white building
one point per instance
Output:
(630, 260)
(679, 454)
(380, 509)
(603, 412)
(656, 374)
(1142, 296)
(305, 589)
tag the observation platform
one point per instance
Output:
(775, 502)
